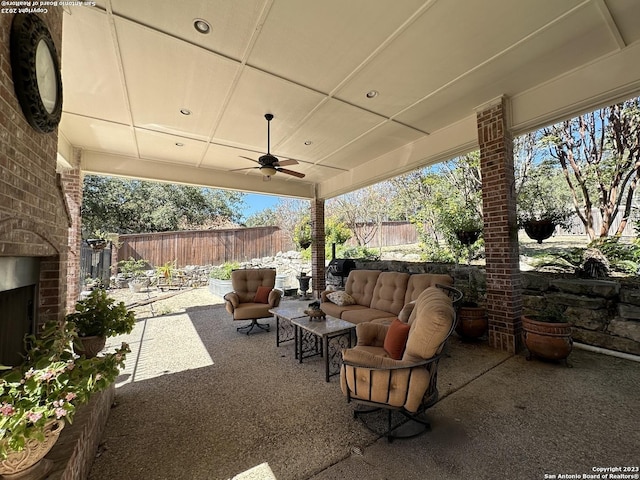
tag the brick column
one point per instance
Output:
(317, 247)
(504, 284)
(72, 185)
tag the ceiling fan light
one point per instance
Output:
(268, 171)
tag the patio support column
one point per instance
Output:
(504, 284)
(318, 261)
(72, 187)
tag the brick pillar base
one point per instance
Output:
(318, 260)
(504, 284)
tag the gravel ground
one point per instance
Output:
(172, 301)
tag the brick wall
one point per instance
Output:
(504, 300)
(33, 214)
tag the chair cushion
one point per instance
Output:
(341, 298)
(396, 339)
(262, 295)
(431, 318)
(245, 282)
(249, 311)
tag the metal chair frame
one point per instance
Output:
(430, 396)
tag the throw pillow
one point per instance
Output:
(396, 339)
(341, 298)
(262, 295)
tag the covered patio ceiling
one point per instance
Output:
(129, 68)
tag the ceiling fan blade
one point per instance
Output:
(291, 172)
(284, 163)
(240, 169)
(248, 158)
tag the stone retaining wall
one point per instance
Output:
(604, 313)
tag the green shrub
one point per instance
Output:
(223, 272)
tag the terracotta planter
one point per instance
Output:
(90, 346)
(548, 340)
(539, 230)
(472, 322)
(29, 463)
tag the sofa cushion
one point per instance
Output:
(389, 293)
(334, 310)
(358, 314)
(431, 318)
(419, 282)
(396, 339)
(360, 285)
(341, 298)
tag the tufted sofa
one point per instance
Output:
(381, 297)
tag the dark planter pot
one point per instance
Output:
(472, 322)
(468, 238)
(539, 230)
(547, 340)
(90, 346)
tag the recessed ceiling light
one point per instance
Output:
(185, 111)
(201, 26)
(308, 142)
(178, 144)
(372, 93)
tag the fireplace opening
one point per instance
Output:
(19, 278)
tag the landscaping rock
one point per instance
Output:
(599, 288)
(586, 318)
(625, 328)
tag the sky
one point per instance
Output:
(255, 203)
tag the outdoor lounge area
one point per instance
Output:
(200, 401)
(358, 92)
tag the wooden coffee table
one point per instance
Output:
(326, 338)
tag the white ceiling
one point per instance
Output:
(129, 67)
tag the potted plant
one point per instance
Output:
(472, 315)
(220, 278)
(97, 317)
(40, 395)
(547, 334)
(542, 203)
(134, 271)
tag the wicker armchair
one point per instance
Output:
(371, 378)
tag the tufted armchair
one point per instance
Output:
(252, 297)
(387, 373)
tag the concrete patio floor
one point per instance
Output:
(499, 415)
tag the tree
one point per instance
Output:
(132, 206)
(362, 211)
(599, 153)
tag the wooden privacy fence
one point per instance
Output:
(213, 247)
(205, 247)
(391, 233)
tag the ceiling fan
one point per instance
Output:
(269, 164)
